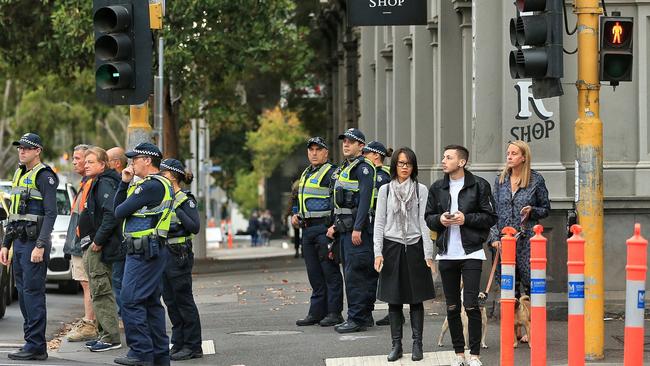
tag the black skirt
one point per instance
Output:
(405, 277)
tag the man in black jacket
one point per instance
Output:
(98, 222)
(460, 209)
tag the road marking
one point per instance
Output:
(208, 347)
(11, 345)
(354, 337)
(267, 332)
(430, 358)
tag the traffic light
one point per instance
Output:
(538, 39)
(616, 53)
(123, 51)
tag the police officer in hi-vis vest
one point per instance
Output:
(146, 208)
(31, 219)
(314, 215)
(353, 186)
(177, 278)
(376, 152)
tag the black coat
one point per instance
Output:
(99, 219)
(475, 201)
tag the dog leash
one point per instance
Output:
(494, 268)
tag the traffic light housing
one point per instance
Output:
(616, 52)
(538, 39)
(123, 51)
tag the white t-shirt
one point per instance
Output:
(455, 249)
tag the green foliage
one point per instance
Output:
(245, 193)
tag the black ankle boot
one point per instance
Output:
(417, 325)
(396, 320)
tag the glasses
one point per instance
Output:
(403, 164)
(138, 157)
(24, 148)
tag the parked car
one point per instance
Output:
(59, 270)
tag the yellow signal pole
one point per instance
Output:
(589, 154)
(139, 129)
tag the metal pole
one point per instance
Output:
(589, 156)
(159, 92)
(200, 246)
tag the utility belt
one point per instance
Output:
(345, 223)
(149, 245)
(23, 227)
(315, 222)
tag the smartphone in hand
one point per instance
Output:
(449, 216)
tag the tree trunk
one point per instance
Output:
(170, 127)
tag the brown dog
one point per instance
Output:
(463, 318)
(522, 320)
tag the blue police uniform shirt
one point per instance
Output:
(47, 183)
(149, 193)
(363, 172)
(188, 214)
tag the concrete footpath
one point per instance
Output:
(251, 297)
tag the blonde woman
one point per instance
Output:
(521, 201)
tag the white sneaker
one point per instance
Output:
(474, 362)
(459, 361)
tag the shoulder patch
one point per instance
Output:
(192, 204)
(379, 179)
(106, 195)
(137, 190)
(365, 171)
(50, 180)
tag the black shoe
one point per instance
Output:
(297, 254)
(132, 361)
(370, 322)
(350, 326)
(395, 321)
(308, 320)
(174, 349)
(186, 354)
(26, 356)
(383, 321)
(417, 326)
(331, 319)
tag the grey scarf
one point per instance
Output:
(401, 200)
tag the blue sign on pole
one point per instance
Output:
(507, 282)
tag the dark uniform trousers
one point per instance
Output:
(142, 312)
(177, 293)
(30, 283)
(324, 274)
(360, 276)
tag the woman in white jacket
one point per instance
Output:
(403, 250)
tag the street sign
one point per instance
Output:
(387, 12)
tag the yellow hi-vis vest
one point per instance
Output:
(24, 184)
(179, 198)
(164, 209)
(375, 190)
(347, 184)
(309, 189)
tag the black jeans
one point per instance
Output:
(450, 273)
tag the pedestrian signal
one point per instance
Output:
(616, 52)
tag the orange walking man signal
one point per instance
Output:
(617, 31)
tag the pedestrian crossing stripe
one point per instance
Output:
(430, 358)
(206, 346)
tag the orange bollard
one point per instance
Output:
(635, 297)
(538, 298)
(229, 234)
(576, 283)
(508, 255)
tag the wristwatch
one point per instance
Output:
(40, 244)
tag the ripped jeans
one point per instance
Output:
(451, 272)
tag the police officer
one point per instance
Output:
(146, 208)
(315, 216)
(31, 219)
(376, 152)
(177, 278)
(353, 188)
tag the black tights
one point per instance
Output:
(397, 308)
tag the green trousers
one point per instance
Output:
(101, 292)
